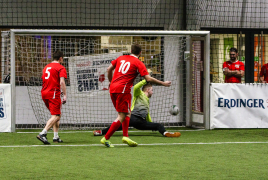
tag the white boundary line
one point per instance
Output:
(154, 144)
(115, 131)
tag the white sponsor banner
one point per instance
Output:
(88, 74)
(5, 108)
(239, 106)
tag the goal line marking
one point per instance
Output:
(154, 144)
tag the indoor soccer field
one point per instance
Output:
(197, 154)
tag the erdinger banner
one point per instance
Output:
(5, 108)
(239, 106)
(88, 74)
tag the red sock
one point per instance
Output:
(125, 126)
(115, 125)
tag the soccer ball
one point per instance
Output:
(174, 110)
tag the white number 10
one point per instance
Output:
(48, 73)
(124, 67)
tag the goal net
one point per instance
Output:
(87, 54)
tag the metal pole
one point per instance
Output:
(181, 89)
(240, 45)
(189, 84)
(13, 83)
(243, 12)
(207, 83)
(258, 57)
(262, 49)
(3, 55)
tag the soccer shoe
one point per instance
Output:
(97, 133)
(57, 140)
(128, 141)
(43, 138)
(175, 134)
(106, 142)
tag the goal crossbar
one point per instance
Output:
(108, 32)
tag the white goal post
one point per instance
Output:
(87, 54)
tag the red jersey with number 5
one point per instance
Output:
(127, 68)
(238, 65)
(51, 80)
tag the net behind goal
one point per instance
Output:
(87, 56)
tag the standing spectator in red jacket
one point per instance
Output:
(233, 70)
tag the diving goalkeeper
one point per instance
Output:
(140, 116)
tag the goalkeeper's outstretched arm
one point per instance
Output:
(156, 81)
(137, 88)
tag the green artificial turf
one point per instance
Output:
(205, 154)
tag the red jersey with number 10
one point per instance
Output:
(127, 68)
(51, 80)
(238, 65)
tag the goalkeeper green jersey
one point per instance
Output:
(140, 102)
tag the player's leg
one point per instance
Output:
(43, 135)
(116, 99)
(54, 106)
(124, 106)
(172, 134)
(121, 103)
(125, 125)
(142, 124)
(114, 126)
(125, 138)
(104, 131)
(56, 138)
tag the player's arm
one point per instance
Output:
(156, 81)
(63, 88)
(227, 71)
(236, 73)
(137, 87)
(239, 73)
(136, 92)
(110, 72)
(143, 72)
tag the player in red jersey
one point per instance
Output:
(264, 74)
(54, 75)
(233, 70)
(126, 68)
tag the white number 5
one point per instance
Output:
(124, 67)
(48, 73)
